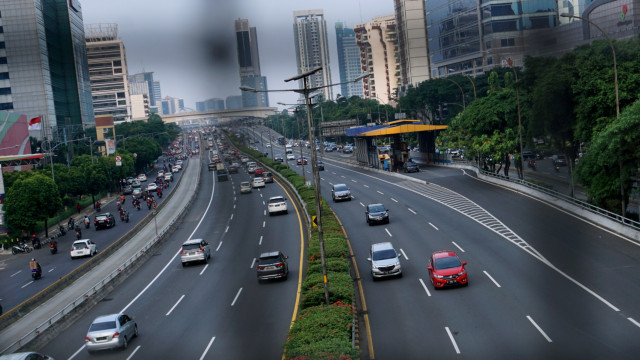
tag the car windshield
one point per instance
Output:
(107, 325)
(269, 260)
(411, 163)
(447, 263)
(245, 184)
(376, 208)
(384, 254)
(341, 188)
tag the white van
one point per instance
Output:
(288, 149)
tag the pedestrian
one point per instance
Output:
(79, 207)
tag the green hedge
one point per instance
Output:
(340, 289)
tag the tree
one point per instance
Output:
(29, 200)
(612, 161)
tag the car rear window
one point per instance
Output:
(269, 260)
(447, 263)
(101, 217)
(103, 326)
(276, 200)
(190, 246)
(384, 254)
(79, 246)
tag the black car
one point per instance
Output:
(410, 166)
(279, 158)
(272, 265)
(104, 221)
(127, 190)
(320, 166)
(267, 176)
(376, 214)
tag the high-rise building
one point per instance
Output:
(412, 42)
(379, 56)
(249, 64)
(210, 105)
(43, 65)
(139, 106)
(138, 88)
(349, 61)
(234, 102)
(312, 48)
(144, 77)
(156, 93)
(171, 105)
(108, 71)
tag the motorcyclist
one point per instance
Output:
(87, 221)
(70, 223)
(98, 206)
(118, 206)
(35, 267)
(35, 241)
(122, 199)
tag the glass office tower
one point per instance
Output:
(349, 61)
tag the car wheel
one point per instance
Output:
(125, 343)
(184, 264)
(135, 331)
(387, 220)
(373, 277)
(286, 211)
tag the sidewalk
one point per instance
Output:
(30, 323)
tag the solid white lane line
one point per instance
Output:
(387, 230)
(264, 223)
(394, 200)
(252, 263)
(134, 352)
(425, 287)
(231, 217)
(453, 341)
(16, 273)
(218, 248)
(412, 211)
(77, 352)
(205, 268)
(539, 329)
(227, 229)
(366, 186)
(207, 349)
(260, 242)
(174, 306)
(489, 276)
(403, 254)
(236, 298)
(458, 246)
(27, 284)
(434, 226)
(634, 322)
(379, 192)
(51, 270)
(362, 204)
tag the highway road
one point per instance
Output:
(17, 285)
(214, 310)
(542, 283)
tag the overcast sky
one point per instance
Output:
(190, 44)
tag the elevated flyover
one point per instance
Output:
(214, 117)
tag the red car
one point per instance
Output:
(302, 160)
(258, 171)
(446, 269)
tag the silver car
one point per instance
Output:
(195, 250)
(340, 192)
(25, 356)
(384, 261)
(110, 332)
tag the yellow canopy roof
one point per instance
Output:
(402, 129)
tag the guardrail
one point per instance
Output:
(579, 203)
(27, 338)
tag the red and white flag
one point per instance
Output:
(35, 123)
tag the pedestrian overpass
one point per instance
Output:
(215, 117)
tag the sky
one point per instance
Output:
(190, 44)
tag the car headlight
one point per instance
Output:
(462, 272)
(438, 276)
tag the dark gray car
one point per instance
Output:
(272, 265)
(340, 192)
(410, 166)
(377, 214)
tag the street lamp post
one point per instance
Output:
(470, 80)
(306, 91)
(615, 84)
(510, 62)
(464, 105)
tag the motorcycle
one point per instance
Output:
(125, 217)
(36, 274)
(98, 206)
(62, 230)
(20, 248)
(532, 164)
(71, 224)
(53, 248)
(138, 205)
(87, 222)
(78, 234)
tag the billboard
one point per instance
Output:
(14, 136)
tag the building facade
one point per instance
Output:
(412, 42)
(43, 65)
(233, 102)
(312, 48)
(348, 61)
(140, 107)
(108, 71)
(144, 77)
(249, 65)
(377, 41)
(171, 105)
(210, 105)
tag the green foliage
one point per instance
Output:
(333, 265)
(334, 246)
(340, 288)
(29, 200)
(322, 332)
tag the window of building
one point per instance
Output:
(5, 91)
(3, 60)
(117, 70)
(4, 75)
(6, 106)
(2, 45)
(1, 29)
(507, 42)
(488, 45)
(504, 25)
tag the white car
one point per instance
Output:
(84, 247)
(277, 204)
(142, 177)
(257, 182)
(152, 187)
(175, 169)
(179, 162)
(290, 157)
